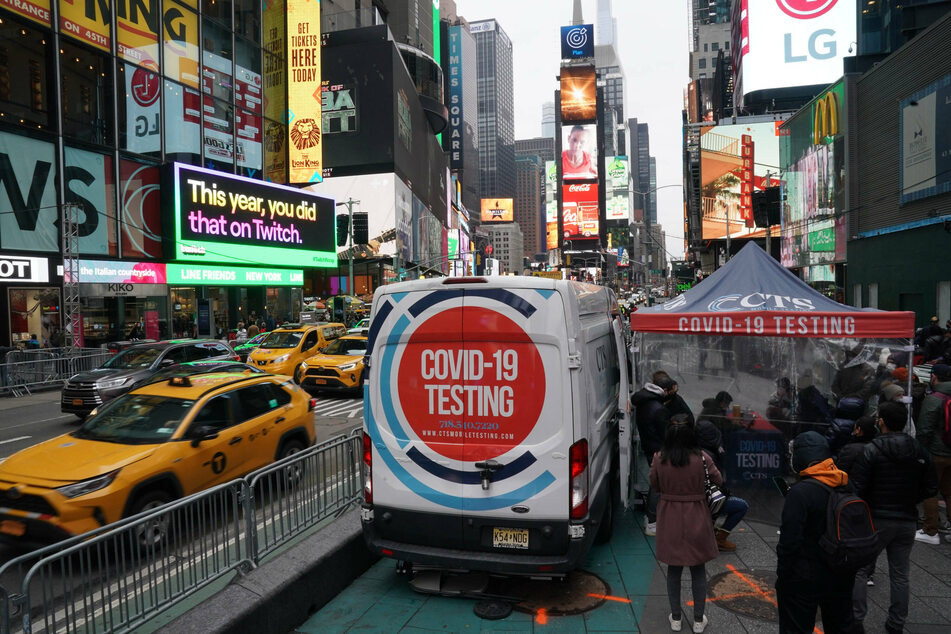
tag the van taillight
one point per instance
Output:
(578, 459)
(368, 462)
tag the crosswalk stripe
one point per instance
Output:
(335, 407)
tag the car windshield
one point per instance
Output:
(134, 357)
(253, 342)
(136, 419)
(279, 339)
(347, 347)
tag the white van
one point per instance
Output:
(496, 429)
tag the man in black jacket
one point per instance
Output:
(652, 418)
(804, 582)
(893, 474)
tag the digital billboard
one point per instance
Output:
(456, 125)
(580, 211)
(577, 41)
(722, 176)
(304, 91)
(551, 235)
(617, 172)
(617, 207)
(497, 210)
(790, 43)
(232, 219)
(579, 158)
(926, 141)
(376, 194)
(579, 94)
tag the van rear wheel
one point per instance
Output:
(606, 529)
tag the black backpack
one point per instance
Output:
(850, 540)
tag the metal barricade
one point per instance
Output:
(26, 370)
(117, 577)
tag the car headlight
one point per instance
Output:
(111, 383)
(88, 486)
(281, 359)
(348, 366)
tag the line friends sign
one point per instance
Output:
(224, 218)
(304, 91)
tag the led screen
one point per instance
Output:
(579, 94)
(497, 210)
(579, 156)
(225, 218)
(580, 211)
(795, 42)
(721, 175)
(304, 95)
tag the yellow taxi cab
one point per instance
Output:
(150, 446)
(284, 348)
(339, 366)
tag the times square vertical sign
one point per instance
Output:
(304, 91)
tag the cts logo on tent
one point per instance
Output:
(805, 9)
(675, 303)
(759, 301)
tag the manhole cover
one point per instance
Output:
(492, 610)
(579, 592)
(745, 592)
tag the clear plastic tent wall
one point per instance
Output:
(784, 353)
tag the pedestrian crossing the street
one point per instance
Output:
(339, 407)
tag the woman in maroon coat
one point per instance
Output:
(684, 526)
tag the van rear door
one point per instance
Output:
(517, 420)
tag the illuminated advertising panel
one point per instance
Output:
(580, 211)
(579, 94)
(497, 210)
(377, 196)
(577, 41)
(926, 141)
(551, 180)
(455, 97)
(304, 91)
(231, 219)
(579, 159)
(617, 207)
(722, 176)
(617, 172)
(551, 236)
(795, 42)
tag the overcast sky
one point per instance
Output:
(652, 44)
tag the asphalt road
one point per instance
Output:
(28, 420)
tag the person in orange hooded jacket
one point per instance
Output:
(804, 582)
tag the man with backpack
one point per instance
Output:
(893, 474)
(805, 578)
(652, 418)
(934, 434)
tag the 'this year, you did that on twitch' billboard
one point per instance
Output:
(225, 218)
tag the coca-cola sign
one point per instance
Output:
(583, 187)
(580, 212)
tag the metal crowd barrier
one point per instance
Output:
(26, 370)
(117, 577)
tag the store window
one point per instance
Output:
(219, 135)
(182, 123)
(87, 94)
(140, 112)
(248, 76)
(126, 318)
(217, 74)
(184, 311)
(181, 43)
(247, 19)
(24, 76)
(35, 311)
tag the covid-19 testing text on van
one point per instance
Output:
(496, 423)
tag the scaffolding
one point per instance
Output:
(71, 307)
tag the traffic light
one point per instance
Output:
(759, 209)
(343, 229)
(361, 228)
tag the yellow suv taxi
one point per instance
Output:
(339, 366)
(283, 350)
(148, 447)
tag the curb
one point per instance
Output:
(284, 592)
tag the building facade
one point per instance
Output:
(529, 202)
(496, 98)
(507, 247)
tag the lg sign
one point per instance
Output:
(805, 9)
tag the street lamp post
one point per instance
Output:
(349, 204)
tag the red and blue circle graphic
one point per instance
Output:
(471, 383)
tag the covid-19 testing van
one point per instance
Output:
(496, 423)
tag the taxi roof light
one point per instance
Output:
(180, 381)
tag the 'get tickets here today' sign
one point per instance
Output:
(231, 219)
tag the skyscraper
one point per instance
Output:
(529, 202)
(496, 95)
(548, 119)
(640, 161)
(605, 31)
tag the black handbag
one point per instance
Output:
(715, 497)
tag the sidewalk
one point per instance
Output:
(740, 593)
(46, 395)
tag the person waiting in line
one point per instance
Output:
(847, 412)
(676, 404)
(812, 408)
(684, 526)
(33, 343)
(253, 330)
(652, 419)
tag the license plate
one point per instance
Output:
(510, 538)
(320, 381)
(77, 401)
(13, 527)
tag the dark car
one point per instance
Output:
(86, 391)
(245, 348)
(208, 366)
